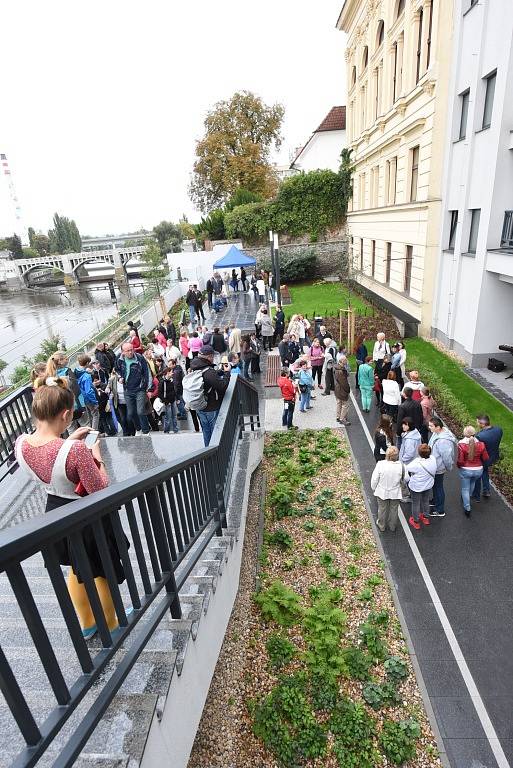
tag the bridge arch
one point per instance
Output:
(76, 263)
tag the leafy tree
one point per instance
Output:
(30, 253)
(64, 237)
(169, 237)
(157, 273)
(39, 242)
(212, 226)
(242, 197)
(12, 244)
(3, 365)
(186, 229)
(234, 152)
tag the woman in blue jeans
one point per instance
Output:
(306, 384)
(471, 455)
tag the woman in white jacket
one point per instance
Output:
(386, 482)
(422, 471)
(391, 395)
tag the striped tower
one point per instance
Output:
(20, 227)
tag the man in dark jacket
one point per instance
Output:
(162, 329)
(171, 330)
(491, 436)
(111, 355)
(210, 291)
(177, 372)
(283, 349)
(103, 358)
(199, 303)
(218, 343)
(323, 334)
(279, 323)
(412, 409)
(135, 375)
(215, 384)
(168, 396)
(190, 300)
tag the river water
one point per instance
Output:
(29, 317)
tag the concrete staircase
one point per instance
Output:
(153, 718)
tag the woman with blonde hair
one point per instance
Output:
(67, 470)
(58, 365)
(471, 455)
(387, 482)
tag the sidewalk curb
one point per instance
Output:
(411, 650)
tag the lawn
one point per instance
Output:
(319, 298)
(461, 399)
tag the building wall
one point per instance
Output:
(322, 151)
(474, 291)
(396, 102)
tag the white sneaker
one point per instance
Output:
(138, 432)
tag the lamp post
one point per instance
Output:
(273, 265)
(277, 268)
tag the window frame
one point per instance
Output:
(380, 34)
(464, 100)
(492, 76)
(473, 233)
(408, 268)
(401, 6)
(361, 255)
(419, 46)
(365, 57)
(414, 173)
(453, 228)
(373, 258)
(388, 263)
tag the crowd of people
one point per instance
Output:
(150, 386)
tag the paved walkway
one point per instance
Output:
(241, 310)
(500, 385)
(454, 582)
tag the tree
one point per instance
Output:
(169, 237)
(211, 227)
(186, 229)
(157, 273)
(242, 197)
(64, 237)
(234, 152)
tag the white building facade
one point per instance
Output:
(398, 58)
(473, 311)
(323, 148)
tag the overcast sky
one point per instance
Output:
(103, 101)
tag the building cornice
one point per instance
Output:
(347, 15)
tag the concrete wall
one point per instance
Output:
(474, 293)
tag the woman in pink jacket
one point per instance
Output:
(316, 355)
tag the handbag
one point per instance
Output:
(303, 388)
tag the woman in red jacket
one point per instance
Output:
(471, 454)
(288, 392)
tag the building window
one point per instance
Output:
(419, 46)
(353, 76)
(377, 91)
(430, 32)
(488, 105)
(374, 186)
(394, 81)
(464, 100)
(452, 229)
(397, 68)
(391, 181)
(475, 215)
(408, 263)
(361, 254)
(373, 258)
(415, 152)
(400, 8)
(362, 191)
(388, 263)
(380, 33)
(365, 58)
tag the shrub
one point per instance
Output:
(324, 623)
(281, 539)
(279, 603)
(281, 651)
(378, 696)
(353, 729)
(396, 669)
(357, 663)
(397, 740)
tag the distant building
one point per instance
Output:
(398, 59)
(474, 294)
(284, 171)
(323, 148)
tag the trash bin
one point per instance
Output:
(318, 321)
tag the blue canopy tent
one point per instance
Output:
(235, 258)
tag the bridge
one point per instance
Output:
(68, 263)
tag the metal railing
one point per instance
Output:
(507, 230)
(15, 419)
(160, 523)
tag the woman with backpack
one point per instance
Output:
(58, 366)
(471, 454)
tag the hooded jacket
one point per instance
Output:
(410, 408)
(443, 447)
(139, 377)
(409, 445)
(215, 384)
(85, 382)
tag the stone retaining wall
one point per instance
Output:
(331, 255)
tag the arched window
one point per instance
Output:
(380, 36)
(365, 57)
(400, 8)
(353, 76)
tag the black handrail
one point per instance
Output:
(173, 510)
(15, 419)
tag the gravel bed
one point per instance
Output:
(225, 738)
